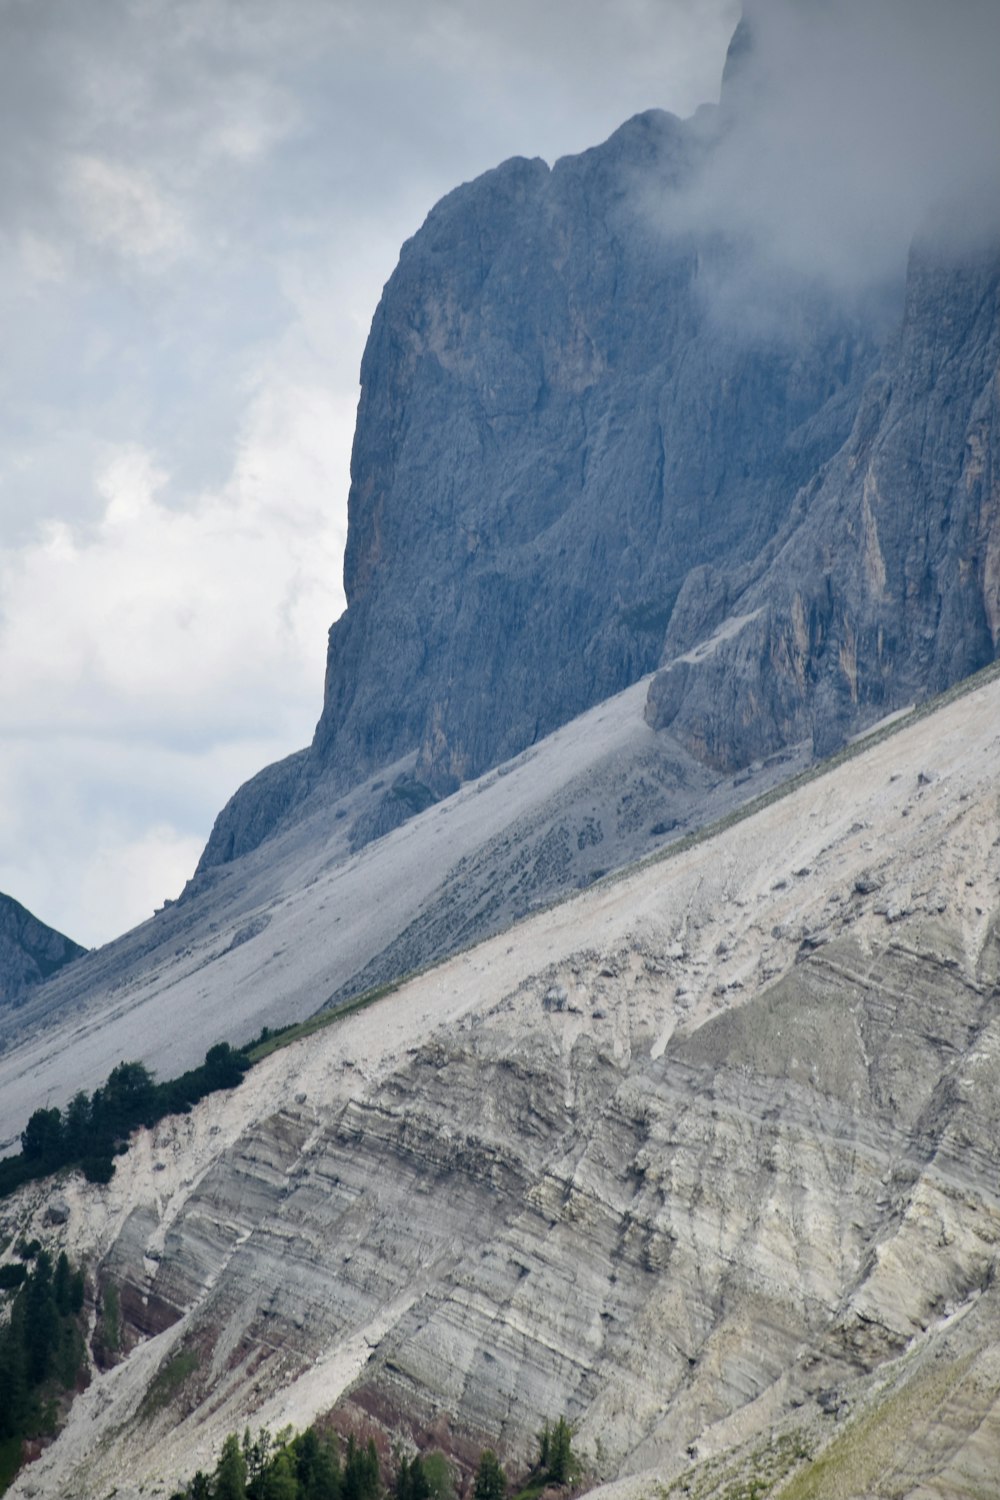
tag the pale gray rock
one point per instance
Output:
(731, 1232)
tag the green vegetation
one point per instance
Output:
(307, 1467)
(275, 1040)
(557, 1463)
(748, 1475)
(169, 1379)
(862, 1458)
(95, 1129)
(491, 1481)
(41, 1353)
(312, 1467)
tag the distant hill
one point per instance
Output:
(30, 952)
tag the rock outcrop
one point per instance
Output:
(599, 434)
(886, 585)
(30, 952)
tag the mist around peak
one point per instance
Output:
(845, 130)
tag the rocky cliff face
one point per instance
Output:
(706, 1159)
(30, 952)
(558, 431)
(886, 585)
(592, 436)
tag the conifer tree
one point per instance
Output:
(231, 1471)
(280, 1482)
(491, 1481)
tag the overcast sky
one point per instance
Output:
(200, 201)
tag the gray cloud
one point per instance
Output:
(854, 126)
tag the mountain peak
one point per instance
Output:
(30, 952)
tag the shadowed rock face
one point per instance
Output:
(29, 951)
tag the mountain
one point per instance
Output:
(599, 435)
(702, 1153)
(705, 1159)
(619, 559)
(309, 919)
(30, 952)
(886, 586)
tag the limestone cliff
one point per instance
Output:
(706, 1158)
(597, 429)
(884, 587)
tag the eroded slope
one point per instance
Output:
(707, 1154)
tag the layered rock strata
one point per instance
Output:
(705, 1159)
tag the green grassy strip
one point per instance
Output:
(862, 1460)
(169, 1379)
(324, 1018)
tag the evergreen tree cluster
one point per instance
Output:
(310, 1467)
(306, 1467)
(557, 1463)
(93, 1127)
(41, 1348)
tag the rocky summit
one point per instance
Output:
(705, 1159)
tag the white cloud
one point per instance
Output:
(856, 123)
(94, 836)
(190, 624)
(123, 208)
(155, 658)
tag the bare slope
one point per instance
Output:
(275, 935)
(706, 1158)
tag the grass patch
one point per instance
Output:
(748, 1476)
(324, 1018)
(861, 1460)
(168, 1380)
(532, 1491)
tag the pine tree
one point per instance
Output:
(280, 1482)
(61, 1284)
(561, 1464)
(491, 1481)
(231, 1471)
(41, 1320)
(256, 1452)
(324, 1483)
